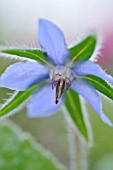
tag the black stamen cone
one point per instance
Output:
(56, 101)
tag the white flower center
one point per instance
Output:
(61, 77)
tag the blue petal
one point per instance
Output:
(82, 68)
(22, 75)
(91, 96)
(52, 42)
(43, 102)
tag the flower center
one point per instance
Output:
(61, 77)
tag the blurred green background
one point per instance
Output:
(18, 27)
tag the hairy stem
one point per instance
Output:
(78, 147)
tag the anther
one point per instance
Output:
(59, 89)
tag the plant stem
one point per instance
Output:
(77, 146)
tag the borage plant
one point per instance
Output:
(55, 75)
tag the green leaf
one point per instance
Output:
(19, 151)
(100, 85)
(84, 49)
(74, 108)
(17, 100)
(34, 54)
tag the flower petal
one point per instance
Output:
(82, 68)
(43, 102)
(52, 42)
(22, 75)
(91, 96)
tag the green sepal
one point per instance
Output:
(16, 100)
(84, 49)
(101, 85)
(34, 54)
(73, 106)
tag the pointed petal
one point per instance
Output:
(43, 102)
(91, 96)
(52, 42)
(21, 76)
(82, 68)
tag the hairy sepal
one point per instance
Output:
(16, 102)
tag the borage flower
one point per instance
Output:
(59, 73)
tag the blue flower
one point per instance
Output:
(55, 77)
